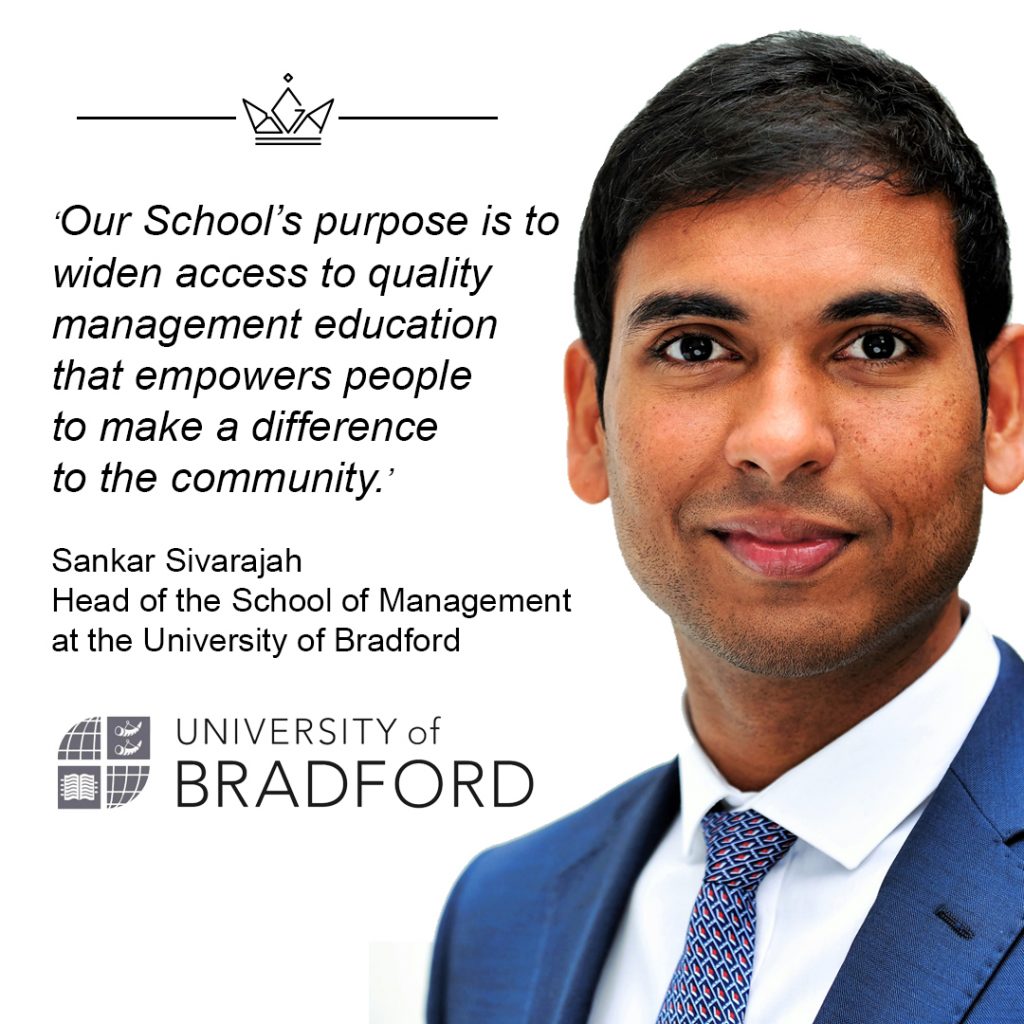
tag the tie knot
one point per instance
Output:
(742, 847)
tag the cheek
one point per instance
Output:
(660, 451)
(919, 461)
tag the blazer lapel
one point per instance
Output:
(587, 901)
(953, 901)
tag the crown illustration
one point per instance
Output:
(287, 122)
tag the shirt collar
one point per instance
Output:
(845, 799)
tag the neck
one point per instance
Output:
(754, 728)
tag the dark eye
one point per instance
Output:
(877, 345)
(694, 348)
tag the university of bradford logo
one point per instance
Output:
(288, 122)
(85, 778)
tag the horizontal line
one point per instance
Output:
(418, 117)
(156, 117)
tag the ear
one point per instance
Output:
(587, 473)
(1004, 431)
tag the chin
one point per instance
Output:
(802, 646)
(785, 655)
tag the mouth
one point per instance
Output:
(782, 547)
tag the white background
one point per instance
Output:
(261, 915)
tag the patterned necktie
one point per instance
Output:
(712, 980)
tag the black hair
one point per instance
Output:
(785, 108)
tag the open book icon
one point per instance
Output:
(78, 787)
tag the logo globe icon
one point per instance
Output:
(80, 756)
(125, 782)
(82, 742)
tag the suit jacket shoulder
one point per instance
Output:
(943, 941)
(550, 898)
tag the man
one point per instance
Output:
(794, 380)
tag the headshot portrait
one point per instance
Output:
(795, 380)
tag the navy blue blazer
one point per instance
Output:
(528, 925)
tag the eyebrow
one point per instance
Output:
(664, 306)
(905, 305)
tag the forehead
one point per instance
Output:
(792, 252)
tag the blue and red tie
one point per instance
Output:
(711, 982)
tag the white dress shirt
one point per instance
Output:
(851, 806)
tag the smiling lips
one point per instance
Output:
(781, 547)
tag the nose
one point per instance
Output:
(782, 427)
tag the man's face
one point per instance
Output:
(792, 439)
